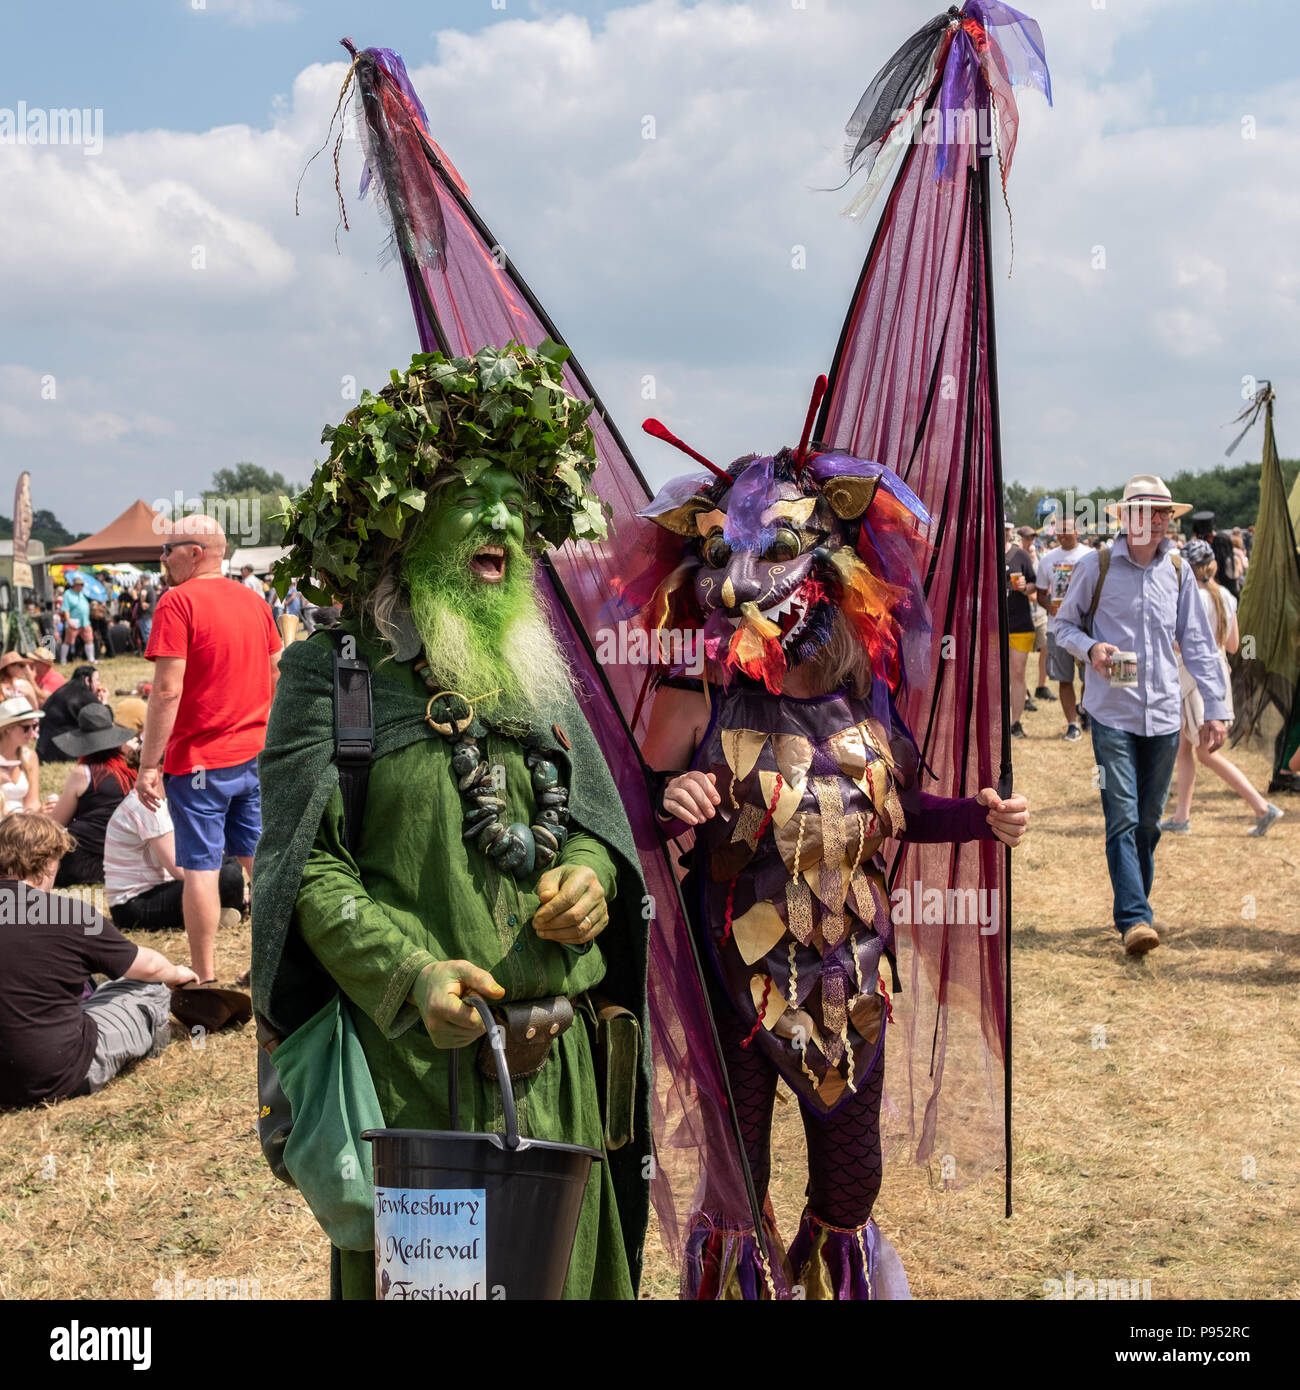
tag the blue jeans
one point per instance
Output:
(1135, 774)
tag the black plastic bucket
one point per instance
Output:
(461, 1215)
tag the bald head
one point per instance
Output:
(199, 527)
(194, 547)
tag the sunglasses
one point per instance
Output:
(30, 728)
(169, 546)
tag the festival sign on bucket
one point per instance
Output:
(467, 1215)
(430, 1243)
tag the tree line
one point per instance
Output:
(1231, 493)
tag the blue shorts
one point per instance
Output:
(221, 816)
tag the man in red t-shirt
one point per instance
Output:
(216, 654)
(46, 678)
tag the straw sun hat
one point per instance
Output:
(16, 710)
(1146, 490)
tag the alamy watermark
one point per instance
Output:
(40, 125)
(626, 645)
(239, 517)
(957, 126)
(210, 1289)
(919, 906)
(1075, 1288)
(55, 910)
(1093, 516)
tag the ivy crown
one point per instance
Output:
(502, 408)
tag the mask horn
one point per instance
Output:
(819, 390)
(661, 431)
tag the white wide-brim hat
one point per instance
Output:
(16, 710)
(1146, 490)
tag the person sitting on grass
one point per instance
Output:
(16, 678)
(20, 768)
(44, 677)
(1221, 608)
(54, 1040)
(94, 789)
(61, 709)
(142, 881)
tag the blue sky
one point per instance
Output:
(138, 58)
(669, 259)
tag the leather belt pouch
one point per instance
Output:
(617, 1054)
(531, 1026)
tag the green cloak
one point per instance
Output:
(299, 781)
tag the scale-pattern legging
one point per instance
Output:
(844, 1165)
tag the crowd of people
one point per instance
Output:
(1142, 618)
(169, 854)
(74, 624)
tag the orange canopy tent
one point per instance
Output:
(137, 535)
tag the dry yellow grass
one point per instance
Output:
(1132, 1160)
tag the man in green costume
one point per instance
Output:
(506, 887)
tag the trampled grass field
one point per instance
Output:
(1169, 1154)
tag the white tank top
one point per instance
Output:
(14, 792)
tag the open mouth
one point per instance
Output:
(489, 563)
(790, 615)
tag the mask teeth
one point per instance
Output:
(661, 431)
(818, 391)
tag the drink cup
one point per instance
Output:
(1123, 669)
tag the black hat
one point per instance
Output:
(95, 732)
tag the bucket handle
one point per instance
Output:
(496, 1040)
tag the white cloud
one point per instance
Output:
(668, 257)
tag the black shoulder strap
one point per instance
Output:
(354, 731)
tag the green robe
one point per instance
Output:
(416, 893)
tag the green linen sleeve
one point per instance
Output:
(362, 948)
(586, 850)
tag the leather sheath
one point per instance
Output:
(531, 1026)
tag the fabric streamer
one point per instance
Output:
(1270, 604)
(920, 396)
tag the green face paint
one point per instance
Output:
(466, 600)
(492, 507)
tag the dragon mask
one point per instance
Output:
(761, 560)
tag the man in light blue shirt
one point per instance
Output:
(1147, 602)
(76, 620)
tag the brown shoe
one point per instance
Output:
(1139, 939)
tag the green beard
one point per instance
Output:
(464, 623)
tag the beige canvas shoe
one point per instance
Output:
(1139, 939)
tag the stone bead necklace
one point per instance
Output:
(515, 849)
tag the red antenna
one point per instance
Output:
(661, 431)
(819, 390)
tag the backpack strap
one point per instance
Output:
(354, 733)
(1103, 564)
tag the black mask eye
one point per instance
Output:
(785, 545)
(715, 551)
